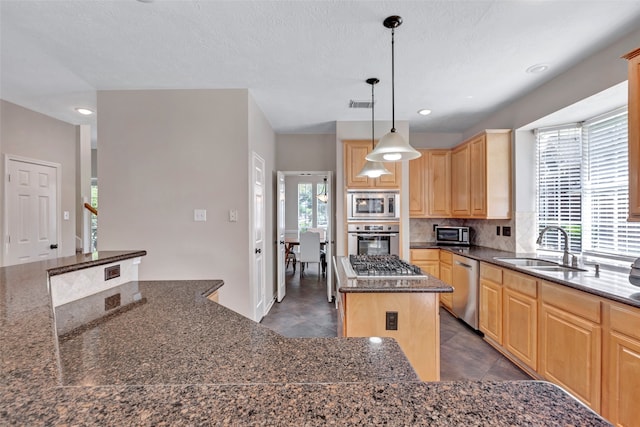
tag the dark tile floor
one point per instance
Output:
(464, 355)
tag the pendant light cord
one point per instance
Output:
(373, 103)
(393, 84)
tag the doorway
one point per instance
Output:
(32, 197)
(305, 201)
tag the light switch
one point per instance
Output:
(199, 214)
(65, 214)
(233, 215)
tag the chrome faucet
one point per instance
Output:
(565, 257)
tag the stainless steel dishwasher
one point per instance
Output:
(465, 294)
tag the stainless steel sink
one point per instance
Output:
(527, 262)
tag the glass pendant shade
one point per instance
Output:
(322, 197)
(374, 170)
(392, 148)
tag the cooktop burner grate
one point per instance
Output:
(382, 265)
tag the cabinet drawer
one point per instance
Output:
(571, 300)
(424, 255)
(446, 257)
(625, 320)
(526, 285)
(489, 272)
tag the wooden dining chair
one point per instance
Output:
(309, 250)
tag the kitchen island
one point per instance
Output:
(178, 358)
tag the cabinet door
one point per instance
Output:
(477, 185)
(570, 353)
(491, 309)
(418, 186)
(520, 331)
(390, 181)
(634, 134)
(460, 176)
(624, 380)
(446, 277)
(427, 259)
(354, 160)
(439, 179)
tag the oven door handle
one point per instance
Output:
(375, 234)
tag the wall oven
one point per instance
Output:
(373, 239)
(373, 205)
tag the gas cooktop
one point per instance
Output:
(383, 266)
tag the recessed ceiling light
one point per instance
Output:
(424, 112)
(538, 68)
(84, 111)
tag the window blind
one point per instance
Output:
(559, 199)
(606, 187)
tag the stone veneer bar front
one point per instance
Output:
(177, 358)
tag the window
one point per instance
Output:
(305, 206)
(321, 207)
(583, 186)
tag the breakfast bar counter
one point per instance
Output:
(177, 358)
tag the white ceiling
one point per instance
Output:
(302, 60)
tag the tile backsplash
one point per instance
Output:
(421, 230)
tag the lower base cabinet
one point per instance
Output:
(418, 329)
(622, 366)
(446, 261)
(490, 316)
(520, 317)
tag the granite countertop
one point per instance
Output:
(427, 283)
(81, 261)
(177, 358)
(610, 283)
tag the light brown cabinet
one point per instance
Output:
(481, 176)
(520, 321)
(571, 341)
(634, 134)
(446, 262)
(460, 182)
(418, 327)
(354, 159)
(490, 316)
(621, 371)
(430, 185)
(428, 260)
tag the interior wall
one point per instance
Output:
(185, 150)
(33, 135)
(83, 186)
(262, 140)
(600, 71)
(301, 152)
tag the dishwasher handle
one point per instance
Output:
(462, 264)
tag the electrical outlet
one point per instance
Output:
(506, 231)
(434, 227)
(392, 321)
(233, 215)
(497, 230)
(112, 272)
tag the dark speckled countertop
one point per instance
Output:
(610, 283)
(179, 359)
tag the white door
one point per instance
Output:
(329, 238)
(31, 211)
(281, 266)
(258, 238)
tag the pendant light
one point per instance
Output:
(373, 169)
(323, 197)
(392, 147)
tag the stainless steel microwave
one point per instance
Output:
(448, 235)
(373, 205)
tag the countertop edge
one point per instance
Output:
(94, 262)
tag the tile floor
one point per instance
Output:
(464, 355)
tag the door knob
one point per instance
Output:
(258, 251)
(54, 246)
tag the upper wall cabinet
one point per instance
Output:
(430, 185)
(354, 160)
(634, 134)
(481, 176)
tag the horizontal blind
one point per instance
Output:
(606, 187)
(559, 198)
